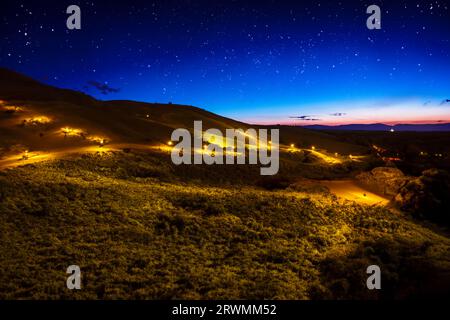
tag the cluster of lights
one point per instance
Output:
(100, 140)
(73, 132)
(67, 131)
(438, 155)
(25, 155)
(38, 120)
(12, 109)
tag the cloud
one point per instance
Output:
(338, 114)
(300, 117)
(445, 101)
(305, 118)
(103, 87)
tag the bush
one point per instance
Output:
(427, 197)
(274, 182)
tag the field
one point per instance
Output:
(141, 228)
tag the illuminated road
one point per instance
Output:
(328, 159)
(350, 190)
(344, 189)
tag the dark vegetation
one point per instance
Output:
(141, 228)
(427, 197)
(419, 151)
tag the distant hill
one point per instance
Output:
(383, 127)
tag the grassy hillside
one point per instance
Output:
(141, 228)
(116, 121)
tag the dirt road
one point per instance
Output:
(22, 159)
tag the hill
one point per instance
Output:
(42, 111)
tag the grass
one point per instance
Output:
(140, 228)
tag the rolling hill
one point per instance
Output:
(42, 111)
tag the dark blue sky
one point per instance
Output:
(257, 61)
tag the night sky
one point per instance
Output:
(299, 62)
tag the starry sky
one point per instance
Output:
(267, 62)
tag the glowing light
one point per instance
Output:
(37, 120)
(292, 145)
(325, 157)
(392, 130)
(100, 140)
(170, 143)
(313, 148)
(11, 109)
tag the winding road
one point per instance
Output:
(32, 157)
